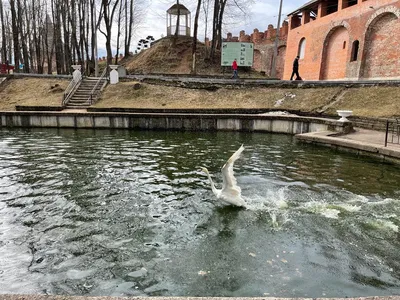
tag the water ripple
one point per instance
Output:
(129, 213)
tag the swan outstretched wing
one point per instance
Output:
(230, 187)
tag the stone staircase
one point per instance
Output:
(81, 97)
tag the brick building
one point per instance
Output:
(264, 47)
(345, 39)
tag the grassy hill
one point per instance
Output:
(163, 58)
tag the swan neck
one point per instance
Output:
(213, 188)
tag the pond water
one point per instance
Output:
(129, 213)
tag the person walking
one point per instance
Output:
(235, 69)
(296, 69)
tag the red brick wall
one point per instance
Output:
(378, 54)
(280, 63)
(382, 51)
(335, 55)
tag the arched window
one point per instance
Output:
(354, 50)
(302, 48)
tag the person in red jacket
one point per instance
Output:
(235, 69)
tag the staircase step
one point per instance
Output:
(76, 107)
(78, 103)
(80, 98)
(80, 94)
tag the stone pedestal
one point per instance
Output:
(77, 75)
(114, 76)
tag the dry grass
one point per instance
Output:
(31, 92)
(162, 57)
(380, 102)
(156, 96)
(367, 101)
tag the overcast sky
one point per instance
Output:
(259, 15)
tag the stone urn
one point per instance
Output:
(77, 75)
(114, 76)
(344, 114)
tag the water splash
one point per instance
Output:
(382, 225)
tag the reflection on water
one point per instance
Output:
(128, 213)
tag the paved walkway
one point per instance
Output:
(368, 141)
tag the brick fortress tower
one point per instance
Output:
(264, 43)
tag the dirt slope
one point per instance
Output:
(31, 92)
(162, 57)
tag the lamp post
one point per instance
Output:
(275, 57)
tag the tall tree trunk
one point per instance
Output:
(119, 31)
(128, 25)
(93, 29)
(194, 43)
(219, 24)
(49, 43)
(108, 16)
(219, 9)
(178, 19)
(214, 27)
(74, 37)
(24, 31)
(15, 31)
(66, 15)
(3, 35)
(206, 5)
(37, 36)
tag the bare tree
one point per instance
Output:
(63, 32)
(15, 31)
(206, 7)
(219, 15)
(107, 11)
(194, 43)
(3, 34)
(118, 31)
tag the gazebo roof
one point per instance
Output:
(173, 10)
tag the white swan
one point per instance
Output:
(230, 192)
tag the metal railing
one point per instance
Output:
(392, 132)
(94, 94)
(69, 91)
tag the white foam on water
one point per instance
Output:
(384, 225)
(382, 202)
(322, 209)
(272, 200)
(348, 207)
(358, 198)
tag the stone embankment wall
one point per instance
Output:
(248, 123)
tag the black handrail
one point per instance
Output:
(95, 91)
(69, 91)
(392, 132)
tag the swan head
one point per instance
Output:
(204, 170)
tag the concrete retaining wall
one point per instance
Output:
(250, 123)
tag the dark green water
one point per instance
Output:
(128, 213)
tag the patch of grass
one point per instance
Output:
(368, 101)
(379, 102)
(31, 92)
(157, 96)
